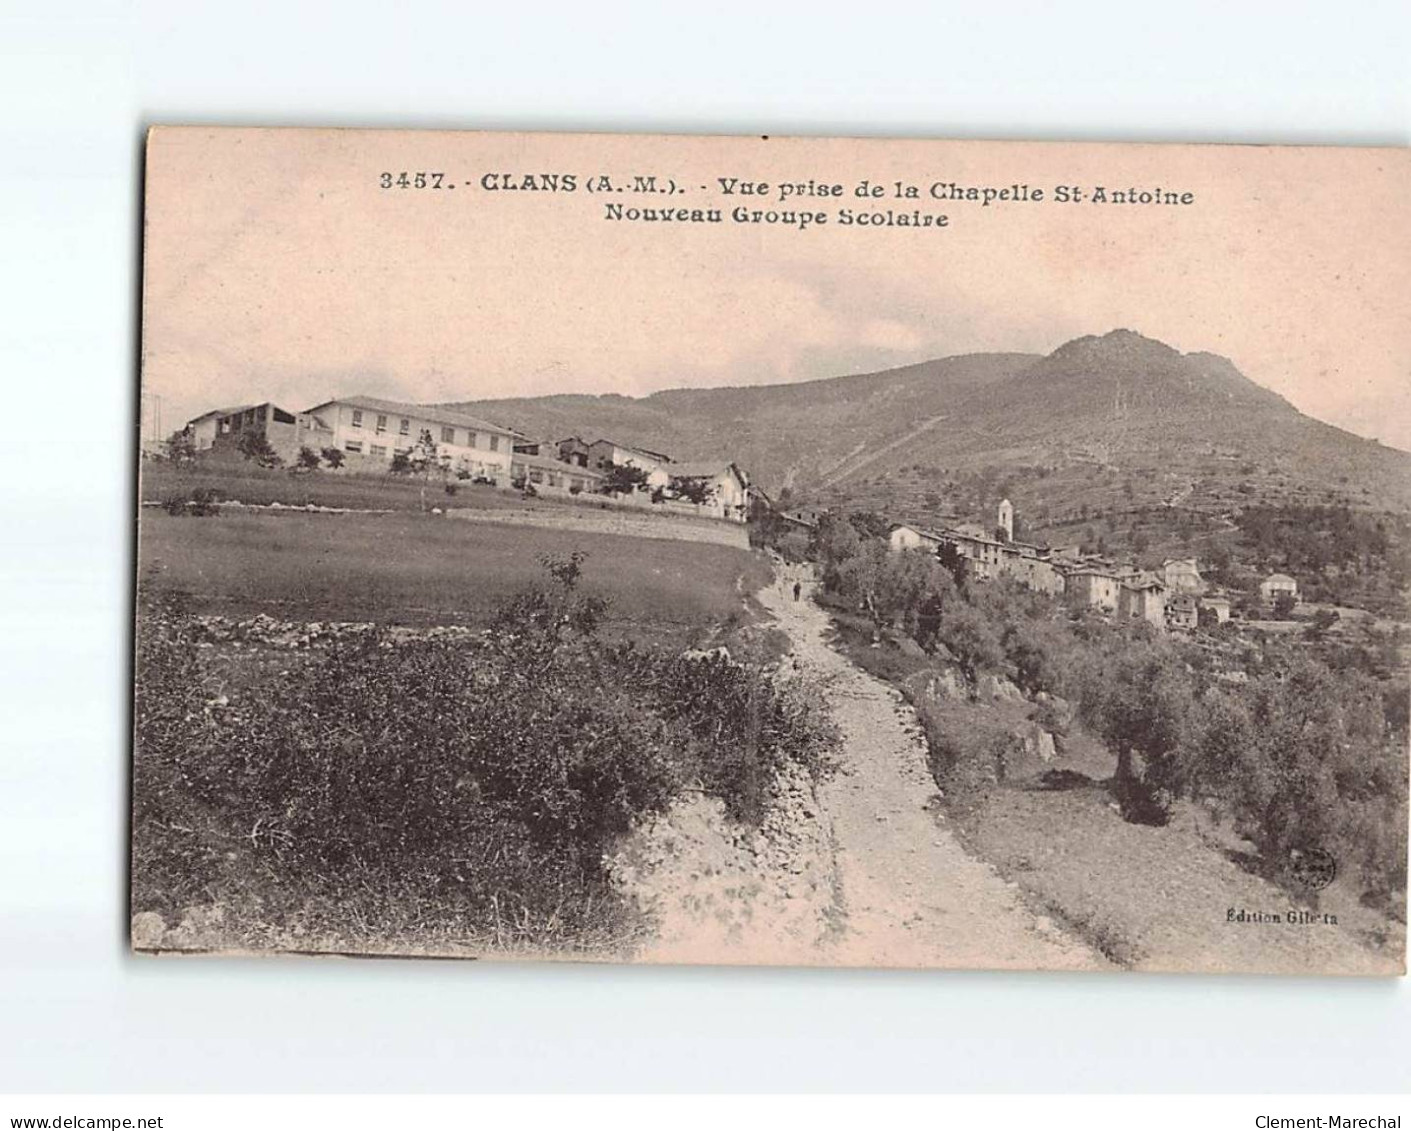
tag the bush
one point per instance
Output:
(334, 457)
(200, 502)
(255, 446)
(477, 782)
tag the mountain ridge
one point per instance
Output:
(1121, 402)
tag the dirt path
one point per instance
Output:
(911, 896)
(858, 872)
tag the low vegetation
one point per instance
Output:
(1299, 743)
(437, 793)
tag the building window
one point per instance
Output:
(250, 416)
(357, 418)
(379, 450)
(353, 446)
(405, 427)
(494, 443)
(448, 435)
(470, 439)
(382, 424)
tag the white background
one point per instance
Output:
(78, 83)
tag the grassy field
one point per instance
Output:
(416, 569)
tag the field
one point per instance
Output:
(414, 569)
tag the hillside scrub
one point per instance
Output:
(1299, 744)
(440, 791)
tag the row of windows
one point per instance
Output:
(404, 425)
(356, 446)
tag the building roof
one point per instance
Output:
(434, 413)
(1280, 577)
(704, 469)
(553, 464)
(220, 412)
(641, 451)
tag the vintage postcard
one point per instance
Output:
(773, 551)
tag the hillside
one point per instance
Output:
(1101, 425)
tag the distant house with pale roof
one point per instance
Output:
(1277, 584)
(727, 488)
(1182, 575)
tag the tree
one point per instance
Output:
(424, 460)
(696, 491)
(869, 524)
(1141, 701)
(255, 446)
(1284, 605)
(308, 459)
(971, 638)
(623, 479)
(401, 464)
(1323, 620)
(333, 457)
(953, 561)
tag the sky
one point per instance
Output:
(277, 267)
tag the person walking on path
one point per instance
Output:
(798, 588)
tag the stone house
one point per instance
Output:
(905, 537)
(1182, 611)
(1276, 584)
(1182, 575)
(1093, 587)
(1143, 598)
(1219, 605)
(286, 432)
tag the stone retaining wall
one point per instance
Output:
(593, 521)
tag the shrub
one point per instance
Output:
(200, 502)
(255, 446)
(476, 782)
(334, 457)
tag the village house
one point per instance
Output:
(1182, 575)
(983, 555)
(573, 450)
(1037, 572)
(1218, 605)
(903, 537)
(1276, 584)
(605, 454)
(204, 429)
(550, 475)
(1143, 598)
(1183, 611)
(285, 432)
(369, 431)
(1093, 587)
